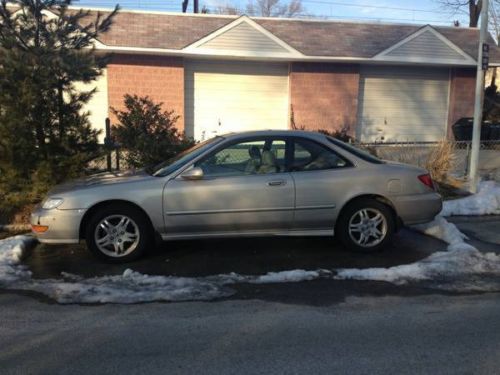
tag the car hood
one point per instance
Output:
(101, 179)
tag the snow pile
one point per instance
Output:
(289, 276)
(485, 202)
(462, 267)
(11, 252)
(130, 287)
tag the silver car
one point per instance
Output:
(291, 183)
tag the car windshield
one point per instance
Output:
(172, 164)
(360, 153)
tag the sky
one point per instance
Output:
(397, 11)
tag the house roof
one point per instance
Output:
(157, 30)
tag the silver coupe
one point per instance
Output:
(265, 183)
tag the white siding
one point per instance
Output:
(403, 104)
(223, 96)
(426, 46)
(243, 38)
(98, 105)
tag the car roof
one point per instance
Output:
(275, 133)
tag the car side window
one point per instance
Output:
(261, 156)
(311, 156)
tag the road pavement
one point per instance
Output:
(431, 334)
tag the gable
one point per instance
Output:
(426, 45)
(242, 37)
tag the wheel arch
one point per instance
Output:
(100, 205)
(380, 198)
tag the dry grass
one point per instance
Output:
(439, 160)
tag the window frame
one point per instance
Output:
(264, 138)
(293, 140)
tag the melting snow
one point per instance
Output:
(485, 202)
(462, 267)
(130, 287)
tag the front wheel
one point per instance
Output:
(366, 225)
(118, 234)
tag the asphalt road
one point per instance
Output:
(431, 334)
(320, 326)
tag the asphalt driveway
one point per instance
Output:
(247, 256)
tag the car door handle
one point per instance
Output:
(276, 183)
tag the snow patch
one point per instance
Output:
(485, 202)
(288, 276)
(11, 252)
(129, 287)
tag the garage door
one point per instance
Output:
(224, 97)
(403, 104)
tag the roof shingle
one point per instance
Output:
(313, 38)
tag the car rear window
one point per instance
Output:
(362, 154)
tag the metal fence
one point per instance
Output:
(419, 153)
(110, 160)
(416, 153)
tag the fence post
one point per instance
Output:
(107, 143)
(117, 151)
(467, 159)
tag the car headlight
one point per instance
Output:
(51, 203)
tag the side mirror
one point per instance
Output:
(195, 173)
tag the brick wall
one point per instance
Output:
(324, 96)
(462, 89)
(161, 78)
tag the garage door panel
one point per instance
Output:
(226, 96)
(408, 104)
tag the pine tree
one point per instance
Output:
(45, 136)
(45, 48)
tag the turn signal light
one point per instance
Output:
(427, 180)
(39, 228)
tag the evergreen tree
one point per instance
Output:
(147, 132)
(45, 49)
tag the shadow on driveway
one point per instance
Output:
(248, 256)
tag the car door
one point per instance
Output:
(245, 188)
(320, 177)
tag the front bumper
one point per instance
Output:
(63, 225)
(418, 208)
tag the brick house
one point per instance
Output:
(226, 73)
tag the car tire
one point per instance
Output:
(365, 225)
(118, 233)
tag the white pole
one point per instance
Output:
(478, 104)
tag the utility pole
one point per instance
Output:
(482, 66)
(196, 6)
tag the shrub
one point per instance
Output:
(147, 133)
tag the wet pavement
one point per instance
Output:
(247, 256)
(483, 228)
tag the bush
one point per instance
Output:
(341, 134)
(438, 160)
(147, 133)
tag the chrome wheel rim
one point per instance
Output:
(117, 235)
(367, 227)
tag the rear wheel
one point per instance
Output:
(118, 234)
(365, 225)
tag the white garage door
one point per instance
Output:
(223, 96)
(402, 104)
